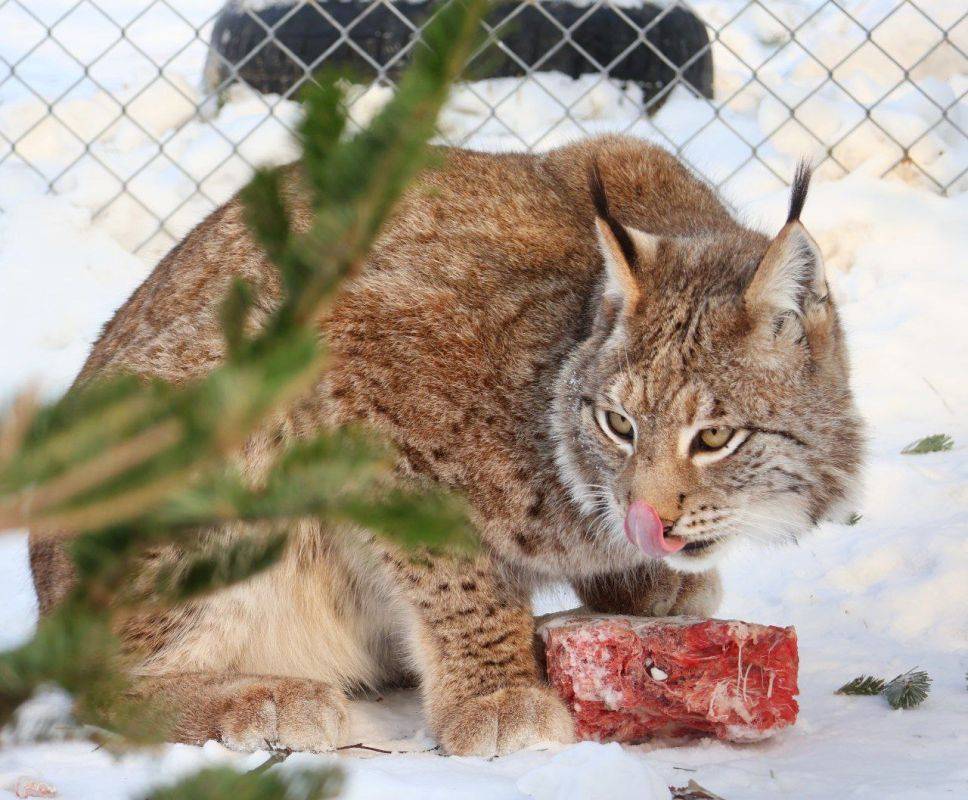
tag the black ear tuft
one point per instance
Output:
(597, 190)
(600, 201)
(798, 195)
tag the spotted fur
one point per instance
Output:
(492, 319)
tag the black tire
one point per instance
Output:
(241, 48)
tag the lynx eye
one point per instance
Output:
(713, 438)
(616, 425)
(622, 426)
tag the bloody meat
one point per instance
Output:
(632, 678)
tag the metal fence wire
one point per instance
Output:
(150, 113)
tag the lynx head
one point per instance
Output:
(710, 402)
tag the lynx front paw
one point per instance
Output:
(282, 714)
(699, 595)
(504, 721)
(653, 591)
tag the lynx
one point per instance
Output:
(621, 379)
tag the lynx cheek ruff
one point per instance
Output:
(632, 678)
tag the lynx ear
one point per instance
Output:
(791, 273)
(627, 252)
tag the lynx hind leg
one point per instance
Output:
(251, 712)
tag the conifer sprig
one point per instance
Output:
(224, 783)
(936, 443)
(114, 450)
(863, 685)
(119, 464)
(907, 690)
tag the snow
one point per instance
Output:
(879, 597)
(590, 771)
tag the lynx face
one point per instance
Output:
(711, 401)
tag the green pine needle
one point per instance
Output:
(224, 783)
(236, 305)
(908, 689)
(937, 443)
(214, 569)
(433, 519)
(135, 469)
(862, 685)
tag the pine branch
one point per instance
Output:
(68, 432)
(224, 783)
(863, 685)
(937, 443)
(905, 691)
(218, 567)
(235, 308)
(432, 519)
(75, 649)
(128, 469)
(191, 430)
(17, 420)
(356, 201)
(909, 689)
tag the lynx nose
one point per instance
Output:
(668, 518)
(647, 531)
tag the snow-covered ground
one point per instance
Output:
(884, 595)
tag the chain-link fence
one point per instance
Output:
(150, 113)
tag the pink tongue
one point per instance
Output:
(644, 529)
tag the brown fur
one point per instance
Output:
(480, 327)
(251, 712)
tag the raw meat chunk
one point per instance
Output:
(631, 678)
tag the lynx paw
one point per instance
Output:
(699, 595)
(653, 591)
(282, 714)
(504, 721)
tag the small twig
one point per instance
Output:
(940, 397)
(361, 746)
(275, 757)
(693, 791)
